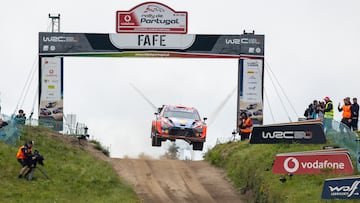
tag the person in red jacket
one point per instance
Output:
(346, 114)
(25, 157)
(245, 126)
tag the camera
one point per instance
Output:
(38, 158)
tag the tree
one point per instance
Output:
(172, 152)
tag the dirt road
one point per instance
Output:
(157, 181)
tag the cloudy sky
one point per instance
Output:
(311, 50)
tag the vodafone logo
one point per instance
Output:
(294, 166)
(127, 18)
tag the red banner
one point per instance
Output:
(313, 163)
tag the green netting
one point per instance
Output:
(340, 135)
(11, 132)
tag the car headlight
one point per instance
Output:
(199, 129)
(165, 126)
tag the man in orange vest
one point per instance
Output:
(346, 114)
(245, 125)
(25, 157)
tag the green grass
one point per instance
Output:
(250, 169)
(99, 147)
(75, 175)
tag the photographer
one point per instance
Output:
(25, 157)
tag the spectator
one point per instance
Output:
(308, 112)
(346, 114)
(20, 118)
(328, 114)
(320, 109)
(354, 114)
(311, 111)
(314, 110)
(3, 123)
(245, 126)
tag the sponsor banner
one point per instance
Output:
(341, 188)
(304, 133)
(160, 45)
(250, 96)
(51, 78)
(151, 17)
(51, 92)
(251, 91)
(313, 163)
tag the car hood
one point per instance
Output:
(182, 122)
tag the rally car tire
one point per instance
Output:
(155, 141)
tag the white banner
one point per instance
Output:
(252, 81)
(50, 79)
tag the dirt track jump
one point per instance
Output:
(167, 181)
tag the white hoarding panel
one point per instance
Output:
(51, 78)
(252, 81)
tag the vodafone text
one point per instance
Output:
(323, 164)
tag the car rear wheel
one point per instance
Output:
(155, 141)
(198, 146)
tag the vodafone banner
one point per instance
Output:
(313, 163)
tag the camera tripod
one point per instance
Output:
(30, 173)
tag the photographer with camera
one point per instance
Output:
(25, 157)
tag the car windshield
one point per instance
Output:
(182, 114)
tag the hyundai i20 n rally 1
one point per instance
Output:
(178, 122)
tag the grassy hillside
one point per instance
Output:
(249, 168)
(75, 175)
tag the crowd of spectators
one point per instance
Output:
(350, 112)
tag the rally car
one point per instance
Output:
(178, 122)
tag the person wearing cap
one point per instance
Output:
(354, 114)
(25, 157)
(346, 114)
(328, 114)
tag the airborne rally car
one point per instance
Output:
(178, 122)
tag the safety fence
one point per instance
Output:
(11, 131)
(342, 136)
